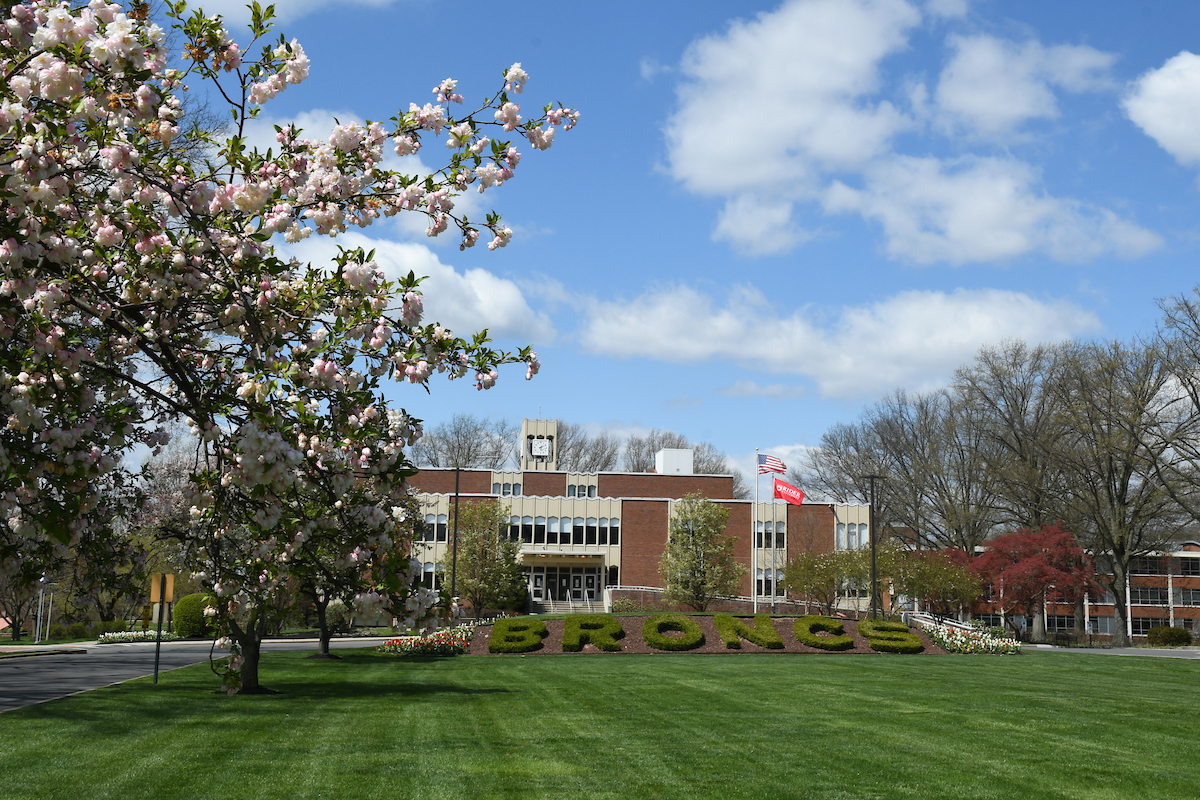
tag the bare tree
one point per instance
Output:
(640, 450)
(468, 442)
(577, 451)
(1122, 415)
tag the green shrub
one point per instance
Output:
(691, 638)
(517, 635)
(77, 630)
(1162, 636)
(808, 627)
(112, 626)
(733, 630)
(624, 605)
(57, 631)
(337, 615)
(890, 637)
(188, 616)
(601, 631)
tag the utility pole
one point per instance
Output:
(454, 544)
(876, 600)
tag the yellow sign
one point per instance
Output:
(156, 586)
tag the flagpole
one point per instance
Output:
(774, 544)
(753, 538)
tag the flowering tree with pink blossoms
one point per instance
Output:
(139, 285)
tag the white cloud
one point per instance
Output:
(914, 339)
(237, 15)
(991, 86)
(651, 68)
(817, 70)
(1165, 104)
(947, 9)
(775, 391)
(982, 209)
(464, 301)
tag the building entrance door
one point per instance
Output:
(539, 587)
(589, 586)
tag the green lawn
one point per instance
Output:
(761, 726)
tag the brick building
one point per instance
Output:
(583, 533)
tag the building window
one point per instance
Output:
(506, 489)
(570, 490)
(591, 531)
(1189, 566)
(496, 488)
(1100, 626)
(864, 536)
(430, 527)
(841, 536)
(1103, 598)
(780, 537)
(1189, 597)
(1148, 596)
(577, 531)
(539, 530)
(591, 491)
(604, 530)
(612, 577)
(614, 531)
(552, 530)
(527, 530)
(516, 490)
(779, 591)
(991, 620)
(1060, 622)
(514, 529)
(1149, 565)
(852, 537)
(441, 527)
(1142, 625)
(770, 530)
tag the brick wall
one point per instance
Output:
(809, 529)
(643, 537)
(441, 481)
(649, 484)
(738, 528)
(544, 484)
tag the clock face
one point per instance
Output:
(540, 447)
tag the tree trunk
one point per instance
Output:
(324, 634)
(1080, 622)
(250, 642)
(1039, 624)
(15, 629)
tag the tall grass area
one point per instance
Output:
(686, 726)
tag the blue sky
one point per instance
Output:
(770, 215)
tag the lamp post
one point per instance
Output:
(454, 542)
(876, 601)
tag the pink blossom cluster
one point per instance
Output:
(139, 284)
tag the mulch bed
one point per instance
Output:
(632, 642)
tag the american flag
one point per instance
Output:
(770, 464)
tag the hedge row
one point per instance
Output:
(691, 638)
(733, 630)
(890, 637)
(1162, 636)
(808, 627)
(517, 635)
(602, 631)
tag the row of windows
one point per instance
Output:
(580, 490)
(565, 530)
(1157, 565)
(853, 537)
(765, 585)
(507, 489)
(771, 535)
(435, 528)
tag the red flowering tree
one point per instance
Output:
(1024, 567)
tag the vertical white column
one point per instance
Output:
(1087, 612)
(754, 539)
(1170, 593)
(1128, 611)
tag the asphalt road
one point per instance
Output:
(36, 679)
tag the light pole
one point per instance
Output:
(876, 601)
(454, 542)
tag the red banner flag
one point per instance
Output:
(785, 491)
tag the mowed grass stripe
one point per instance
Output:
(671, 725)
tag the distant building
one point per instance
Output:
(581, 534)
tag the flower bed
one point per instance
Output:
(119, 637)
(956, 640)
(446, 642)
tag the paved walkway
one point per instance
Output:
(1166, 652)
(53, 673)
